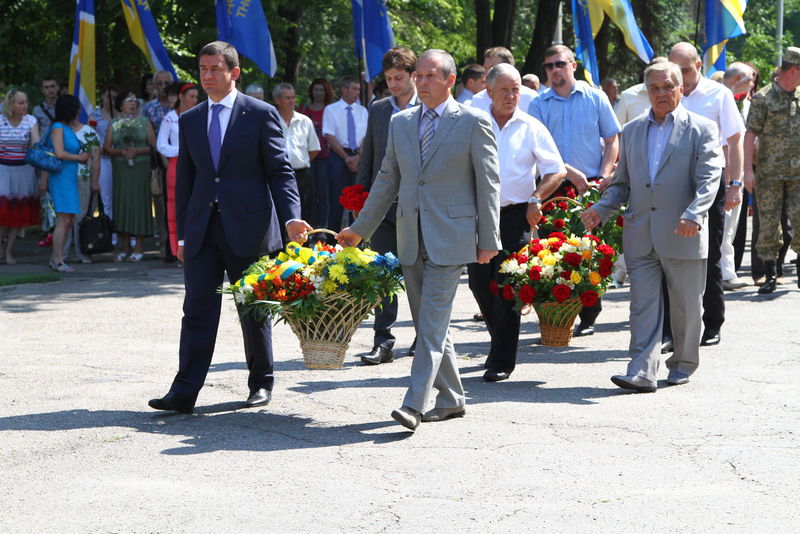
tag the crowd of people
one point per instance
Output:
(690, 157)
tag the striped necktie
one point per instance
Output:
(427, 133)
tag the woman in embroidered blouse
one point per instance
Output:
(19, 201)
(167, 146)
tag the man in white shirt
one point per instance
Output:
(523, 143)
(495, 56)
(302, 144)
(634, 101)
(344, 124)
(712, 101)
(474, 80)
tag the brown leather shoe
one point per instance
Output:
(440, 414)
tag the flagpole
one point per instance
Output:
(361, 83)
(558, 34)
(779, 31)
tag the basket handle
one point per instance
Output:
(322, 230)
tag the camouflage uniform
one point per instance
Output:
(774, 117)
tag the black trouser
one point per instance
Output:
(502, 321)
(714, 295)
(385, 240)
(305, 186)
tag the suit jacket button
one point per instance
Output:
(422, 182)
(216, 180)
(653, 209)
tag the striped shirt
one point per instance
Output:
(15, 140)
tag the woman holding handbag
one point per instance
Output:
(168, 147)
(19, 203)
(129, 142)
(63, 185)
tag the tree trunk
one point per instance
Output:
(542, 38)
(291, 15)
(483, 29)
(503, 22)
(601, 50)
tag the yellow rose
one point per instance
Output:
(574, 242)
(549, 260)
(594, 278)
(543, 253)
(575, 277)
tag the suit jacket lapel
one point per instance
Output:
(412, 126)
(239, 110)
(203, 130)
(678, 129)
(449, 118)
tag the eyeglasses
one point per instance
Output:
(131, 99)
(555, 65)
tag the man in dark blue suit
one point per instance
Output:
(234, 183)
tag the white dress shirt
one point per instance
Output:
(465, 96)
(167, 142)
(334, 121)
(523, 144)
(632, 102)
(224, 113)
(300, 140)
(482, 101)
(714, 101)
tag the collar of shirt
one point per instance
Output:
(514, 117)
(411, 103)
(579, 87)
(668, 118)
(438, 109)
(227, 101)
(291, 122)
(224, 113)
(657, 139)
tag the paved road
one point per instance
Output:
(557, 448)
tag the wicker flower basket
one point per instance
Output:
(324, 341)
(556, 320)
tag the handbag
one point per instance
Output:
(156, 176)
(42, 157)
(94, 232)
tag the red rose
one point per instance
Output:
(508, 292)
(535, 273)
(522, 258)
(555, 246)
(558, 235)
(566, 275)
(547, 207)
(563, 205)
(542, 220)
(605, 267)
(589, 205)
(569, 192)
(561, 292)
(605, 250)
(527, 294)
(573, 258)
(536, 247)
(558, 224)
(593, 238)
(619, 220)
(494, 287)
(589, 298)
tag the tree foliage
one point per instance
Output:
(314, 37)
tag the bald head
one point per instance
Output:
(685, 56)
(684, 49)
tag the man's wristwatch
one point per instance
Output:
(535, 200)
(735, 183)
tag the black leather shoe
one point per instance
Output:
(667, 345)
(377, 356)
(710, 337)
(769, 286)
(584, 330)
(493, 375)
(259, 397)
(173, 402)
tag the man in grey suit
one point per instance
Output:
(668, 173)
(441, 165)
(398, 69)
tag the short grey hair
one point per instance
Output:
(665, 66)
(499, 70)
(281, 87)
(168, 73)
(253, 89)
(448, 63)
(737, 68)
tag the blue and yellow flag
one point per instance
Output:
(243, 24)
(373, 33)
(144, 34)
(81, 58)
(588, 16)
(724, 20)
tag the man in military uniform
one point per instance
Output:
(774, 118)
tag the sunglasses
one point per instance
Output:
(131, 99)
(555, 65)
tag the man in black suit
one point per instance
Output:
(234, 183)
(398, 68)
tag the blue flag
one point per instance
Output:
(373, 33)
(724, 20)
(81, 61)
(243, 24)
(584, 39)
(144, 34)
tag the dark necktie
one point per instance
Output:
(215, 135)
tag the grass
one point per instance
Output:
(31, 278)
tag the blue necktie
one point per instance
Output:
(427, 133)
(215, 135)
(351, 129)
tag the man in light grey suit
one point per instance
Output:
(441, 165)
(669, 172)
